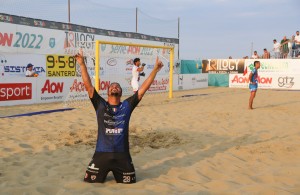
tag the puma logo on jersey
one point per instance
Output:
(116, 131)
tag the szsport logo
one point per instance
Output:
(287, 82)
(15, 91)
(53, 87)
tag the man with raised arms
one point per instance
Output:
(112, 148)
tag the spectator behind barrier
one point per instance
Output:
(30, 72)
(276, 49)
(266, 54)
(297, 44)
(284, 47)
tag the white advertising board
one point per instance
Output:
(190, 81)
(287, 81)
(16, 91)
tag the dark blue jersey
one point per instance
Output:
(113, 123)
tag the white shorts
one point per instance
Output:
(134, 85)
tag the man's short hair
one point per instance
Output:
(136, 60)
(274, 40)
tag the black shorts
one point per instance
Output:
(103, 162)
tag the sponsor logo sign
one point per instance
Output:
(115, 131)
(159, 84)
(21, 40)
(112, 62)
(242, 79)
(223, 66)
(60, 66)
(15, 91)
(52, 42)
(39, 23)
(52, 87)
(52, 91)
(269, 66)
(6, 18)
(286, 82)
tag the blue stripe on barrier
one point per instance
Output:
(190, 95)
(40, 112)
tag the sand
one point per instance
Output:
(205, 143)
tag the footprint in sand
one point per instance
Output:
(25, 146)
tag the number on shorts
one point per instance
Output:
(126, 179)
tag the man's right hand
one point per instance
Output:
(84, 73)
(79, 57)
(158, 64)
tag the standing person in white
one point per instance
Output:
(136, 70)
(276, 49)
(255, 55)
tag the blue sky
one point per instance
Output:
(208, 28)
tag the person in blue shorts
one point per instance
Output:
(112, 148)
(253, 79)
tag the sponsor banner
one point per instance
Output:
(190, 81)
(223, 66)
(6, 18)
(142, 52)
(15, 64)
(190, 66)
(160, 84)
(51, 51)
(52, 89)
(60, 66)
(267, 81)
(76, 91)
(219, 80)
(26, 39)
(274, 66)
(240, 81)
(113, 65)
(287, 81)
(17, 91)
(17, 38)
(123, 65)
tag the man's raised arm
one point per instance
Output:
(84, 74)
(147, 83)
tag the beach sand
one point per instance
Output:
(202, 141)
